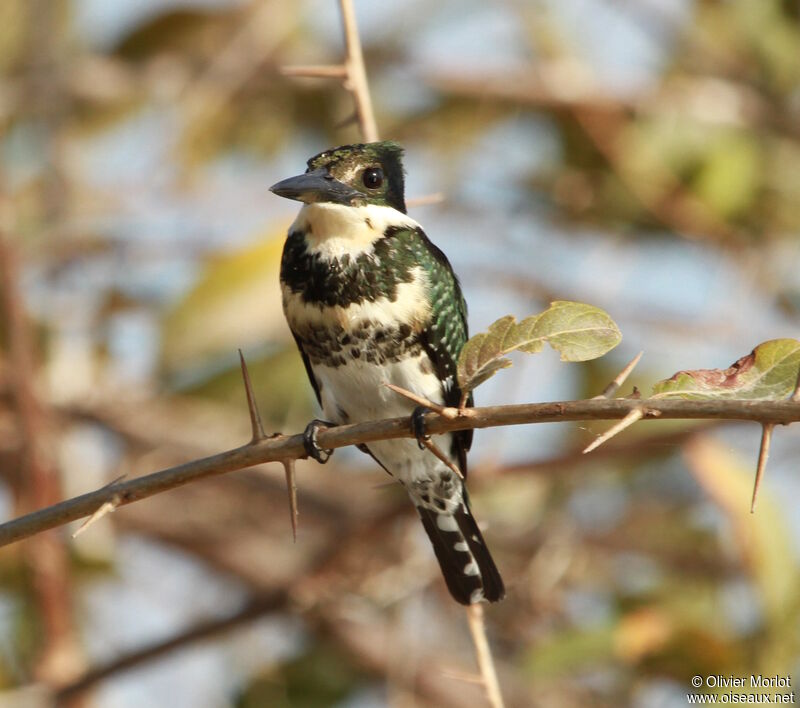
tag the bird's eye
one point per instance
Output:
(373, 177)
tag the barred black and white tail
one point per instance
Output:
(467, 566)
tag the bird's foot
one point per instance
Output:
(310, 444)
(418, 425)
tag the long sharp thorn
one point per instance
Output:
(444, 411)
(105, 508)
(763, 454)
(411, 396)
(626, 422)
(291, 486)
(619, 379)
(434, 448)
(255, 417)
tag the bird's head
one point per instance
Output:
(353, 175)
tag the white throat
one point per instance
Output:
(336, 230)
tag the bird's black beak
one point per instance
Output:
(315, 186)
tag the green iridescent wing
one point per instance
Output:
(447, 333)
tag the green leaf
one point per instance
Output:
(579, 332)
(768, 372)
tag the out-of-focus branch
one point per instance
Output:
(661, 193)
(560, 85)
(38, 485)
(312, 592)
(291, 447)
(57, 655)
(357, 74)
(570, 461)
(483, 654)
(352, 73)
(262, 28)
(255, 608)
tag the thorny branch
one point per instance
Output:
(281, 448)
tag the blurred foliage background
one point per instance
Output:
(641, 156)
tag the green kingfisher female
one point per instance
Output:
(370, 300)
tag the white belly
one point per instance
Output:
(356, 393)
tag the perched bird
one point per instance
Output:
(370, 300)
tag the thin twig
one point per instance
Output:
(483, 653)
(352, 73)
(763, 455)
(626, 422)
(321, 71)
(356, 81)
(276, 449)
(619, 379)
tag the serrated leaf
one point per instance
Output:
(579, 332)
(487, 372)
(768, 372)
